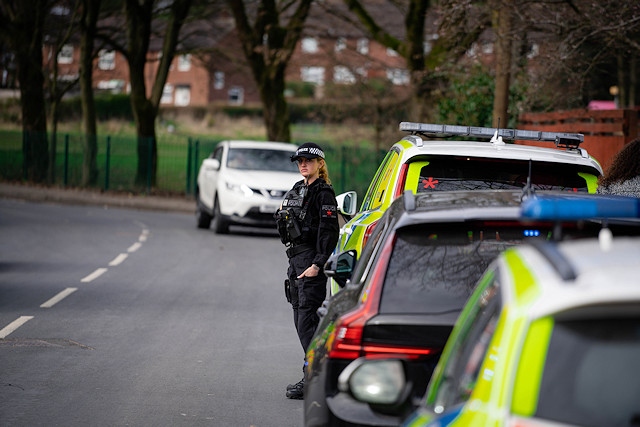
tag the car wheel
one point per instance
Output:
(220, 222)
(203, 218)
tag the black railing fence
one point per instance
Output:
(178, 162)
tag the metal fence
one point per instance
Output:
(179, 159)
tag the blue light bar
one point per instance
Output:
(546, 207)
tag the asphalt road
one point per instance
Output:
(124, 317)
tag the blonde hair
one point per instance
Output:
(324, 172)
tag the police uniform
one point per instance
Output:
(308, 225)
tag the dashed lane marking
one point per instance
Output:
(118, 260)
(62, 295)
(99, 272)
(134, 247)
(11, 327)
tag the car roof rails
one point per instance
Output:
(570, 141)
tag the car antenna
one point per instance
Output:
(497, 138)
(527, 191)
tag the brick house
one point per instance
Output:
(330, 52)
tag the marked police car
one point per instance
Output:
(425, 161)
(549, 337)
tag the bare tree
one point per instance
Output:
(59, 26)
(21, 28)
(268, 45)
(88, 24)
(501, 24)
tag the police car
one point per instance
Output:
(550, 336)
(424, 162)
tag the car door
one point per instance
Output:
(209, 176)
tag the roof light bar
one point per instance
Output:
(568, 140)
(546, 207)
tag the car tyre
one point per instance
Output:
(220, 222)
(203, 218)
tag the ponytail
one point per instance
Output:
(324, 172)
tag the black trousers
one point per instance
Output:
(307, 295)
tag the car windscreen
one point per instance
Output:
(464, 173)
(260, 160)
(591, 375)
(434, 268)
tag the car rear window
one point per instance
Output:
(261, 159)
(434, 268)
(463, 173)
(591, 373)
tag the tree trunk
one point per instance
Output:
(89, 127)
(502, 28)
(26, 42)
(276, 109)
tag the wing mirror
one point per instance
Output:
(340, 266)
(348, 203)
(211, 164)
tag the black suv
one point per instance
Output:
(407, 289)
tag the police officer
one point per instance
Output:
(308, 225)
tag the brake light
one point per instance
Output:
(347, 337)
(402, 179)
(367, 232)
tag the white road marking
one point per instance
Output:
(142, 238)
(134, 247)
(62, 295)
(11, 327)
(99, 272)
(118, 260)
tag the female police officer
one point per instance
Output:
(308, 225)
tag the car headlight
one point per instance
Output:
(240, 188)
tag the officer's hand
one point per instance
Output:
(310, 272)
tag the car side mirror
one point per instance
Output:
(381, 383)
(348, 203)
(211, 164)
(340, 266)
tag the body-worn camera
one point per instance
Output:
(288, 226)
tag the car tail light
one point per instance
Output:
(367, 232)
(402, 179)
(347, 342)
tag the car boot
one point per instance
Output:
(298, 384)
(296, 391)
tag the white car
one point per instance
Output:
(244, 182)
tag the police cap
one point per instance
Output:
(308, 150)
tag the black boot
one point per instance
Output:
(296, 391)
(298, 384)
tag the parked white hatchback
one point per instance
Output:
(243, 183)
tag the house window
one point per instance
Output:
(398, 76)
(65, 56)
(218, 80)
(182, 95)
(107, 59)
(341, 44)
(363, 46)
(236, 95)
(312, 75)
(391, 52)
(342, 74)
(309, 45)
(184, 62)
(167, 94)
